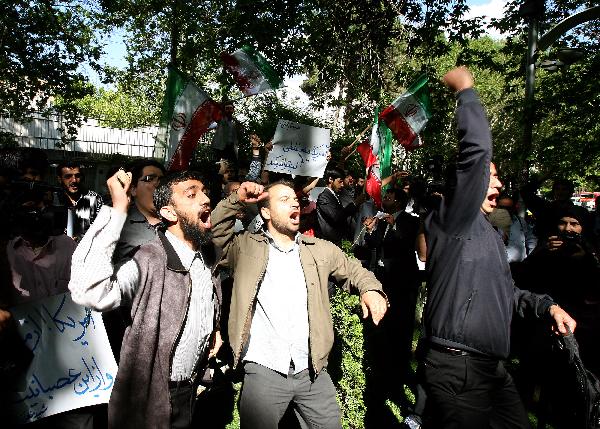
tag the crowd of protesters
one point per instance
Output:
(206, 279)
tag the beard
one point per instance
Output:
(283, 228)
(193, 233)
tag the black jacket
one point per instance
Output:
(396, 248)
(332, 217)
(471, 295)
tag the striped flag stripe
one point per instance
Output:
(251, 71)
(408, 115)
(187, 113)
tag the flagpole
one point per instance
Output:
(359, 136)
(351, 145)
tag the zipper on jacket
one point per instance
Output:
(249, 311)
(469, 301)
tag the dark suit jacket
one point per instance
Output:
(332, 217)
(397, 247)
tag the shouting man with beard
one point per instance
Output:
(173, 294)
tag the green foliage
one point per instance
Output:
(7, 140)
(350, 382)
(42, 45)
(566, 133)
(119, 109)
(567, 137)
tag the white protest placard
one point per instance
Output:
(298, 149)
(73, 364)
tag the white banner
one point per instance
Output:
(73, 364)
(298, 149)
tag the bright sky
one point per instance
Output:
(115, 48)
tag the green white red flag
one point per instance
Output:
(186, 114)
(251, 71)
(377, 156)
(408, 114)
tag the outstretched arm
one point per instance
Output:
(528, 303)
(349, 273)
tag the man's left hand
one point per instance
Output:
(562, 320)
(373, 302)
(389, 219)
(5, 319)
(217, 343)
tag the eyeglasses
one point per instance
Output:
(150, 178)
(71, 175)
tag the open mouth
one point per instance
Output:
(205, 219)
(295, 217)
(492, 199)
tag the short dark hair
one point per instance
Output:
(563, 182)
(505, 195)
(137, 167)
(33, 158)
(333, 172)
(400, 196)
(163, 194)
(67, 164)
(265, 202)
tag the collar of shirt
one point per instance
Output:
(135, 215)
(186, 255)
(273, 243)
(20, 241)
(396, 214)
(334, 194)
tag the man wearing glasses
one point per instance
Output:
(139, 228)
(83, 205)
(142, 217)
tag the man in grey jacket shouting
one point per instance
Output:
(280, 326)
(173, 296)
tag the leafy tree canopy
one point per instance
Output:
(42, 44)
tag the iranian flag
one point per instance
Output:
(186, 114)
(251, 71)
(377, 156)
(408, 114)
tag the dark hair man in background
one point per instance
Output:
(545, 211)
(226, 139)
(83, 205)
(332, 216)
(142, 216)
(392, 239)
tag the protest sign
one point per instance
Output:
(73, 364)
(298, 149)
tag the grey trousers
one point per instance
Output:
(266, 395)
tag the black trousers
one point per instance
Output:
(183, 398)
(468, 391)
